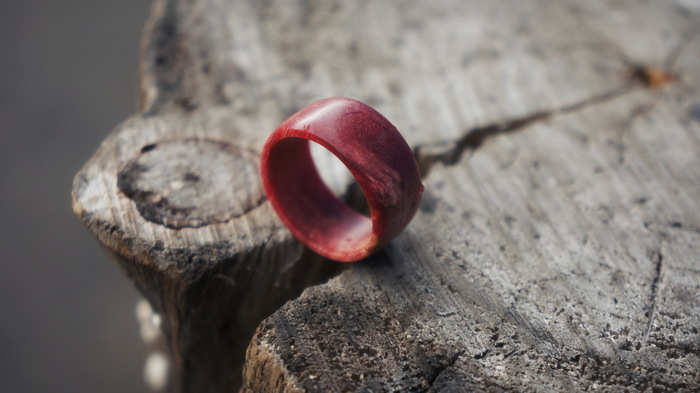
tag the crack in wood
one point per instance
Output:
(658, 259)
(450, 152)
(447, 366)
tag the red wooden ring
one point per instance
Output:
(377, 156)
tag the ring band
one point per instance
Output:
(376, 155)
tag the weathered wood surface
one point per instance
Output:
(563, 256)
(557, 245)
(174, 193)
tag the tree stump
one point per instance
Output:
(557, 246)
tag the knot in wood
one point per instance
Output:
(192, 182)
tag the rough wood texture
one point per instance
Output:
(557, 248)
(174, 194)
(557, 244)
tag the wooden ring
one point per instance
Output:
(377, 156)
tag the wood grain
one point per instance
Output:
(557, 243)
(556, 248)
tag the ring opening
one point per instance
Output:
(338, 178)
(309, 208)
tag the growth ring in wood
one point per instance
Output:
(377, 156)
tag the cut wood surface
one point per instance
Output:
(557, 247)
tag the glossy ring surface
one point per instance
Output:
(377, 156)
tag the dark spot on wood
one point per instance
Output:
(189, 176)
(148, 148)
(187, 104)
(192, 182)
(161, 61)
(642, 200)
(626, 346)
(159, 245)
(466, 215)
(651, 77)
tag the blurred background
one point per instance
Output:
(67, 78)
